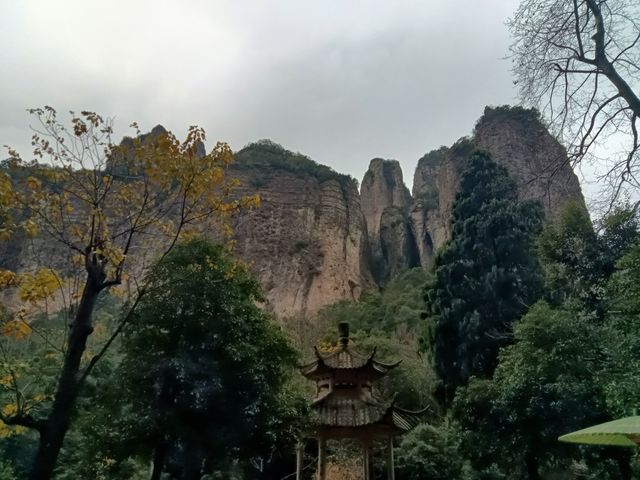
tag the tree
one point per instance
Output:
(430, 453)
(486, 276)
(205, 370)
(578, 261)
(619, 378)
(414, 381)
(544, 386)
(578, 62)
(390, 322)
(92, 209)
(570, 256)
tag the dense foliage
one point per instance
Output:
(533, 331)
(204, 368)
(542, 388)
(578, 260)
(430, 452)
(203, 372)
(264, 156)
(572, 363)
(81, 225)
(487, 274)
(391, 322)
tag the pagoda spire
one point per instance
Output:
(343, 328)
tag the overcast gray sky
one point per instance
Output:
(342, 81)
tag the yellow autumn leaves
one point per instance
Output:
(6, 204)
(31, 288)
(41, 285)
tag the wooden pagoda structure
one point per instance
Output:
(348, 405)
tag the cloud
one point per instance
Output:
(341, 80)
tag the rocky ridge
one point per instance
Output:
(307, 243)
(317, 239)
(515, 138)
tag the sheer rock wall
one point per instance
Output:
(316, 239)
(514, 137)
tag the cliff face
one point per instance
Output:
(385, 204)
(513, 137)
(307, 243)
(434, 190)
(316, 240)
(518, 140)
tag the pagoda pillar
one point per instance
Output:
(322, 458)
(391, 474)
(299, 460)
(366, 460)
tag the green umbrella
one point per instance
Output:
(623, 432)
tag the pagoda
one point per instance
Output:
(348, 405)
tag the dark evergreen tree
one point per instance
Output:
(486, 276)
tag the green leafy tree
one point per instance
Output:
(413, 381)
(430, 453)
(544, 386)
(486, 276)
(88, 211)
(619, 379)
(397, 309)
(578, 261)
(391, 322)
(204, 368)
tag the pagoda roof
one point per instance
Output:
(357, 412)
(346, 358)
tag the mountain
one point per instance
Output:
(307, 243)
(317, 238)
(514, 137)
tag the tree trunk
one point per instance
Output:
(532, 467)
(158, 461)
(624, 465)
(603, 63)
(192, 460)
(59, 419)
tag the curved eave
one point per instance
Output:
(363, 364)
(366, 371)
(383, 367)
(404, 420)
(371, 414)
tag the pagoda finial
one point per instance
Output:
(343, 328)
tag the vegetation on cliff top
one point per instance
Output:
(529, 117)
(267, 156)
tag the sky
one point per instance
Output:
(342, 81)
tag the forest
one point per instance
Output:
(522, 330)
(136, 344)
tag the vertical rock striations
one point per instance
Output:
(405, 233)
(316, 240)
(434, 190)
(385, 205)
(307, 242)
(516, 139)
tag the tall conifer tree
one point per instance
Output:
(486, 276)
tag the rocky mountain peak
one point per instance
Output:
(382, 187)
(316, 239)
(517, 139)
(385, 202)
